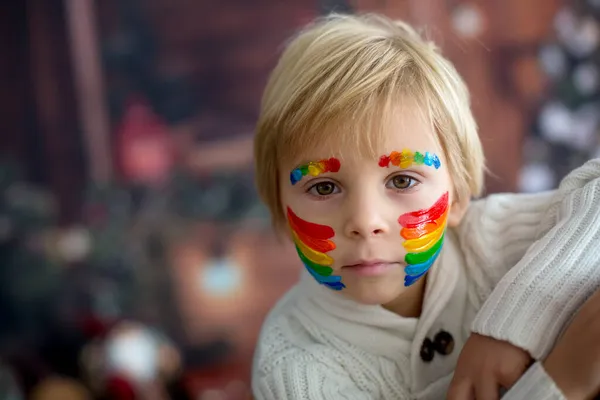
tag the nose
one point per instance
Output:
(365, 218)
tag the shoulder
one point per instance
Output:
(497, 230)
(498, 215)
(580, 177)
(495, 234)
(494, 213)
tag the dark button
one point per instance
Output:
(443, 343)
(427, 351)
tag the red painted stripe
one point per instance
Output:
(309, 229)
(417, 218)
(322, 246)
(423, 229)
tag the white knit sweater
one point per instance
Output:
(316, 344)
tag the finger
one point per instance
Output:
(487, 389)
(507, 382)
(595, 301)
(460, 390)
(507, 377)
(591, 307)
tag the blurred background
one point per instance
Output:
(136, 261)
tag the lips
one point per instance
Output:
(370, 267)
(366, 263)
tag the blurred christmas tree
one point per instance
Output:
(133, 67)
(112, 266)
(566, 132)
(28, 277)
(51, 275)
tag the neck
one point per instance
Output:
(410, 303)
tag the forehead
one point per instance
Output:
(403, 127)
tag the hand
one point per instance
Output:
(484, 366)
(574, 363)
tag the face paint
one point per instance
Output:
(424, 233)
(406, 158)
(312, 242)
(314, 168)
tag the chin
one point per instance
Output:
(375, 291)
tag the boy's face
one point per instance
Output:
(372, 227)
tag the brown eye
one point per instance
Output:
(324, 188)
(403, 182)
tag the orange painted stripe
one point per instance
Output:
(320, 245)
(421, 230)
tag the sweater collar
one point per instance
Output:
(371, 327)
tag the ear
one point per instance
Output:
(458, 209)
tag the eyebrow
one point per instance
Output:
(406, 158)
(314, 168)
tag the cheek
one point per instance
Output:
(317, 212)
(313, 242)
(423, 234)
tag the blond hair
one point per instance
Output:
(341, 75)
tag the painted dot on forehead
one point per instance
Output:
(314, 168)
(406, 158)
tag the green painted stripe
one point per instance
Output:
(419, 258)
(319, 269)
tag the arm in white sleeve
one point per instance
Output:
(536, 299)
(534, 384)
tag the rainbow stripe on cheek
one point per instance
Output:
(312, 242)
(314, 168)
(424, 233)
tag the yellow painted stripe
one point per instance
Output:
(425, 242)
(314, 256)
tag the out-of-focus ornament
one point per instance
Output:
(586, 78)
(220, 277)
(553, 61)
(60, 388)
(581, 36)
(145, 148)
(130, 358)
(585, 126)
(536, 178)
(556, 122)
(576, 129)
(74, 244)
(468, 20)
(119, 388)
(132, 351)
(63, 246)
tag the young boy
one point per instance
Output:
(367, 155)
